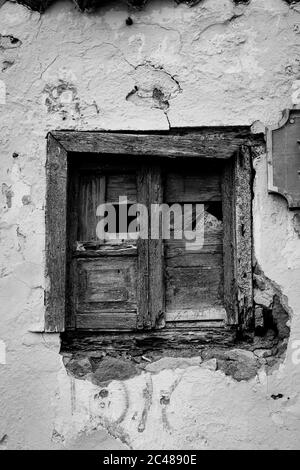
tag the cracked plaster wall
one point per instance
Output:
(213, 64)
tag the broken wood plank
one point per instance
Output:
(109, 248)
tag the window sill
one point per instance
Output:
(137, 343)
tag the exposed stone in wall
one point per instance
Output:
(8, 193)
(9, 42)
(241, 362)
(296, 223)
(154, 87)
(268, 297)
(272, 319)
(266, 347)
(8, 51)
(62, 98)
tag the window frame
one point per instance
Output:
(233, 145)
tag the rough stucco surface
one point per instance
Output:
(213, 64)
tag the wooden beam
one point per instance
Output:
(203, 143)
(56, 220)
(237, 242)
(142, 342)
(243, 228)
(229, 243)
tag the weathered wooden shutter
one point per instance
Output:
(113, 286)
(103, 274)
(194, 278)
(145, 284)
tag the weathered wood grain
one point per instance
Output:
(190, 187)
(106, 286)
(108, 248)
(243, 217)
(92, 193)
(107, 321)
(194, 279)
(56, 224)
(204, 143)
(195, 325)
(237, 210)
(229, 242)
(119, 185)
(144, 319)
(138, 343)
(194, 288)
(200, 313)
(72, 236)
(156, 272)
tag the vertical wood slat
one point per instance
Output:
(243, 227)
(156, 271)
(102, 193)
(84, 196)
(72, 236)
(237, 242)
(143, 320)
(229, 243)
(150, 253)
(56, 220)
(92, 192)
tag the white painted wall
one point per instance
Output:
(221, 65)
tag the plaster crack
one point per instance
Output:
(154, 88)
(48, 66)
(218, 23)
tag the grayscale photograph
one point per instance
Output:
(149, 229)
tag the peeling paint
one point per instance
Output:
(8, 193)
(62, 98)
(9, 42)
(153, 88)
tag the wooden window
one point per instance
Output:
(123, 282)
